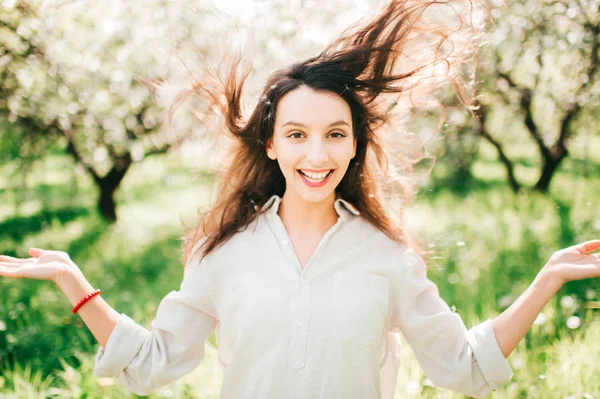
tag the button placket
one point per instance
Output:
(299, 335)
(288, 251)
(283, 238)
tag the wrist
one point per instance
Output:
(74, 286)
(549, 281)
(67, 277)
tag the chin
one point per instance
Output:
(315, 197)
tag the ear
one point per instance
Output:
(353, 148)
(270, 150)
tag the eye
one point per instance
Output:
(340, 135)
(335, 135)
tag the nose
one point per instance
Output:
(316, 153)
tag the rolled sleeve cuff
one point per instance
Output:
(123, 344)
(494, 366)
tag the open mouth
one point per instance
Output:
(313, 179)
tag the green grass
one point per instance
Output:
(488, 245)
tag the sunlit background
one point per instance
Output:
(89, 166)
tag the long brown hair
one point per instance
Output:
(360, 67)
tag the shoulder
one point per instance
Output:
(396, 255)
(366, 243)
(243, 244)
(373, 237)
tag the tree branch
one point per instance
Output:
(482, 113)
(526, 100)
(72, 149)
(592, 71)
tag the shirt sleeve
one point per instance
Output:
(452, 357)
(144, 360)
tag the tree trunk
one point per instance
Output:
(109, 184)
(106, 202)
(551, 164)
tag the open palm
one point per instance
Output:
(43, 265)
(576, 262)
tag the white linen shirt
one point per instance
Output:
(328, 331)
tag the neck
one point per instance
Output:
(307, 217)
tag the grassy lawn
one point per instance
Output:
(489, 244)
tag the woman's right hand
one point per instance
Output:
(43, 265)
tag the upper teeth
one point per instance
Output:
(315, 175)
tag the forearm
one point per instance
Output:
(99, 317)
(512, 324)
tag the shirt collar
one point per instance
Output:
(342, 207)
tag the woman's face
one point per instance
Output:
(313, 142)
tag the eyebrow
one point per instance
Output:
(303, 125)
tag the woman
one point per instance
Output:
(298, 262)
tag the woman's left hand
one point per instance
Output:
(573, 263)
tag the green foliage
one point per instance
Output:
(488, 246)
(487, 242)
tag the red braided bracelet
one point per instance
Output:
(84, 300)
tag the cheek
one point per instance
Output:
(288, 158)
(342, 154)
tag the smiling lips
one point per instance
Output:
(315, 179)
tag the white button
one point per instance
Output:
(299, 323)
(297, 360)
(286, 242)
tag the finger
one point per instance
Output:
(11, 271)
(586, 258)
(588, 246)
(36, 252)
(6, 258)
(13, 265)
